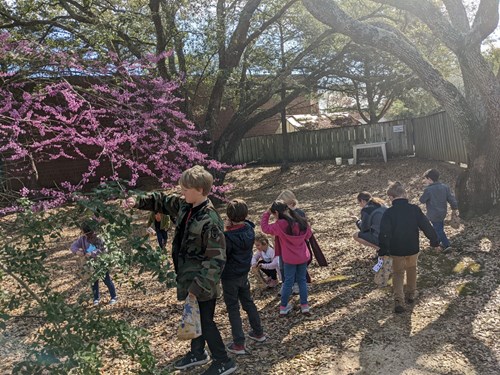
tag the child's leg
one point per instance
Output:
(439, 228)
(230, 289)
(411, 275)
(110, 285)
(95, 290)
(249, 306)
(398, 274)
(210, 333)
(300, 276)
(290, 270)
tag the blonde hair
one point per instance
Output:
(289, 198)
(197, 178)
(396, 190)
(261, 238)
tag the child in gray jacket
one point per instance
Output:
(436, 197)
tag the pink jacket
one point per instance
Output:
(293, 248)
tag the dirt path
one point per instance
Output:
(452, 329)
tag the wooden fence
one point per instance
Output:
(431, 137)
(328, 143)
(436, 138)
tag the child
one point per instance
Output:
(265, 261)
(199, 255)
(89, 245)
(436, 196)
(240, 236)
(159, 223)
(369, 223)
(292, 230)
(399, 239)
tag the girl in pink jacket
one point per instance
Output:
(291, 230)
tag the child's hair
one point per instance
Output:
(284, 212)
(88, 227)
(198, 178)
(288, 197)
(366, 196)
(432, 174)
(261, 238)
(396, 190)
(237, 210)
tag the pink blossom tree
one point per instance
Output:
(113, 114)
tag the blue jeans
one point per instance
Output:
(109, 283)
(237, 291)
(294, 272)
(162, 236)
(439, 228)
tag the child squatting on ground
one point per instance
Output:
(369, 222)
(292, 230)
(199, 255)
(159, 223)
(436, 197)
(399, 238)
(90, 246)
(240, 237)
(265, 262)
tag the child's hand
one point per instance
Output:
(129, 202)
(150, 230)
(80, 252)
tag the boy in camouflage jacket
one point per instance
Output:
(199, 255)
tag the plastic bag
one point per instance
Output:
(455, 220)
(190, 325)
(383, 271)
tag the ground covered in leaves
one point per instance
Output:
(453, 328)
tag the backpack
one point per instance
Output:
(375, 218)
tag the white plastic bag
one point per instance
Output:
(190, 325)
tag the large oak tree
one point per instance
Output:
(475, 108)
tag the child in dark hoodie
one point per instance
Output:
(240, 237)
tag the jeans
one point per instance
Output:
(237, 291)
(439, 228)
(294, 273)
(210, 334)
(162, 236)
(400, 265)
(109, 283)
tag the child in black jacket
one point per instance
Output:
(240, 237)
(399, 238)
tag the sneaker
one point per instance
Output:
(295, 289)
(113, 301)
(399, 309)
(258, 338)
(190, 360)
(284, 310)
(236, 348)
(448, 250)
(96, 302)
(305, 309)
(221, 368)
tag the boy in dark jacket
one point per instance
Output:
(199, 255)
(399, 232)
(436, 197)
(240, 237)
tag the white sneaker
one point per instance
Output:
(113, 301)
(286, 310)
(295, 289)
(96, 302)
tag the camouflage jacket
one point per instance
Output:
(198, 251)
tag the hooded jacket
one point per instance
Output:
(239, 245)
(293, 247)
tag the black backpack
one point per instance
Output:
(375, 218)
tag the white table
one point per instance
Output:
(355, 149)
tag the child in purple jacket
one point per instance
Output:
(90, 246)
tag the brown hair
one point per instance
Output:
(237, 210)
(396, 190)
(262, 238)
(198, 178)
(366, 196)
(432, 174)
